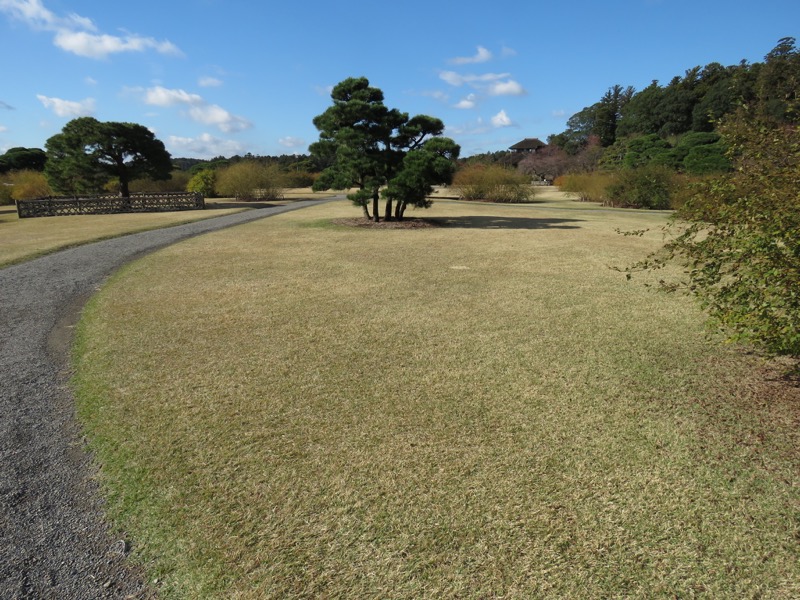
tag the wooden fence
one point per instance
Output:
(110, 204)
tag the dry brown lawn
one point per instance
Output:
(481, 409)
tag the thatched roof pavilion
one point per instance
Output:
(528, 145)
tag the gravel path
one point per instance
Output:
(54, 540)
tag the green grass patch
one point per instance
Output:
(478, 410)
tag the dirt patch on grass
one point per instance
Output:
(404, 224)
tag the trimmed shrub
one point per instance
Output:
(493, 183)
(703, 160)
(642, 151)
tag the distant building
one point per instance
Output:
(528, 145)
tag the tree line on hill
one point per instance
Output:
(669, 128)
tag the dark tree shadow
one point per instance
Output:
(475, 222)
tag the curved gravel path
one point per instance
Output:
(54, 540)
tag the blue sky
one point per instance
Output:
(224, 77)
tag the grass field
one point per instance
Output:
(478, 410)
(24, 239)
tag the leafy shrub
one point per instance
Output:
(27, 184)
(738, 238)
(494, 183)
(203, 182)
(647, 187)
(250, 180)
(5, 193)
(299, 179)
(588, 187)
(177, 183)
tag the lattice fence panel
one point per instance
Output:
(110, 204)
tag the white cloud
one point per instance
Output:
(560, 113)
(203, 146)
(467, 103)
(292, 142)
(91, 45)
(456, 79)
(37, 16)
(501, 120)
(436, 95)
(199, 110)
(90, 80)
(161, 96)
(3, 128)
(209, 82)
(508, 51)
(68, 108)
(477, 127)
(506, 88)
(78, 35)
(482, 56)
(452, 78)
(212, 114)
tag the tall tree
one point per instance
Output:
(779, 82)
(677, 104)
(18, 159)
(642, 115)
(87, 153)
(608, 112)
(365, 144)
(599, 120)
(433, 162)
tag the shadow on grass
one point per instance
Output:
(476, 222)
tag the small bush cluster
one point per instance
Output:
(5, 193)
(23, 185)
(647, 187)
(588, 187)
(176, 183)
(250, 181)
(493, 183)
(299, 179)
(653, 187)
(203, 182)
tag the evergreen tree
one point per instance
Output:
(87, 153)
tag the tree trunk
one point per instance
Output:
(366, 211)
(387, 215)
(398, 213)
(125, 192)
(376, 211)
